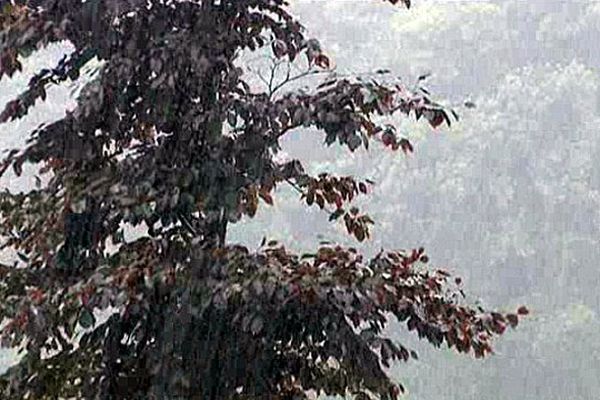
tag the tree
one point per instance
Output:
(169, 137)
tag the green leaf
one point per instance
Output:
(336, 214)
(23, 257)
(86, 319)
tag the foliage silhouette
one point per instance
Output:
(168, 136)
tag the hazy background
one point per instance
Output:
(508, 198)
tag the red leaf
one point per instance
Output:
(407, 147)
(522, 310)
(266, 196)
(362, 187)
(388, 138)
(513, 320)
(322, 61)
(37, 296)
(437, 119)
(500, 328)
(359, 233)
(338, 201)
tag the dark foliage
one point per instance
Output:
(170, 136)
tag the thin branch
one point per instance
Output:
(287, 129)
(289, 79)
(262, 78)
(295, 186)
(276, 65)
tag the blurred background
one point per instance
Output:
(508, 198)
